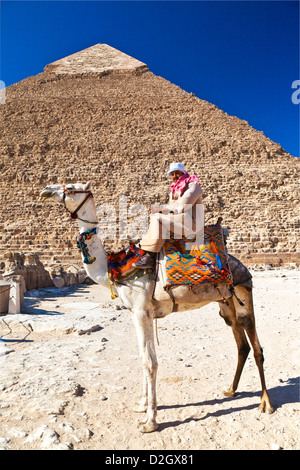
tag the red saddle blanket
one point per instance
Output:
(120, 264)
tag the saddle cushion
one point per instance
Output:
(204, 264)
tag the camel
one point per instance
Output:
(237, 310)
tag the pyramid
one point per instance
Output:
(102, 116)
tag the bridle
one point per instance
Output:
(74, 214)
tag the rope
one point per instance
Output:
(156, 331)
(112, 295)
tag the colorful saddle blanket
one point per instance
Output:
(120, 264)
(208, 263)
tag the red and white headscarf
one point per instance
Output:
(179, 185)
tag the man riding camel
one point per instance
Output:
(182, 216)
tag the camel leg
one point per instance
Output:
(228, 313)
(144, 329)
(265, 405)
(245, 317)
(142, 405)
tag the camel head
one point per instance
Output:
(71, 195)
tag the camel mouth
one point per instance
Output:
(46, 194)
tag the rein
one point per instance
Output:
(74, 214)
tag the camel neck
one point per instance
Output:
(87, 216)
(97, 270)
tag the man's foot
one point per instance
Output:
(146, 262)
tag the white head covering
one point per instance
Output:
(176, 166)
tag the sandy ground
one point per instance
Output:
(70, 374)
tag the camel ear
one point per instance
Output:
(87, 186)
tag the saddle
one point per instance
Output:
(203, 273)
(205, 264)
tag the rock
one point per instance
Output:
(118, 388)
(19, 433)
(49, 440)
(66, 427)
(37, 434)
(89, 330)
(47, 435)
(58, 281)
(77, 390)
(81, 277)
(59, 408)
(29, 267)
(88, 433)
(66, 446)
(76, 438)
(6, 351)
(4, 441)
(78, 273)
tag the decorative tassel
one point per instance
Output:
(219, 262)
(112, 295)
(82, 246)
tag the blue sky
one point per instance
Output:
(242, 56)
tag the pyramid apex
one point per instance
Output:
(100, 59)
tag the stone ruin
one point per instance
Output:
(26, 272)
(33, 274)
(102, 116)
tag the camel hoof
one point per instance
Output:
(266, 408)
(147, 427)
(228, 393)
(139, 408)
